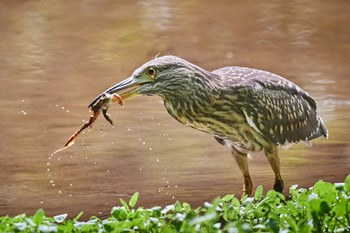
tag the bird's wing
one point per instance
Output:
(273, 106)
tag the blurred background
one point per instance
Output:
(56, 56)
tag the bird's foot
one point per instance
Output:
(247, 186)
(278, 186)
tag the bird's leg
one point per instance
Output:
(242, 161)
(272, 156)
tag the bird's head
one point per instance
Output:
(167, 76)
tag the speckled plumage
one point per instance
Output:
(233, 101)
(273, 106)
(243, 108)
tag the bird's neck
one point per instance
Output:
(186, 108)
(191, 97)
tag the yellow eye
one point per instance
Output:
(151, 72)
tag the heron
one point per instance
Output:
(244, 109)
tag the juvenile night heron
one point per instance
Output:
(244, 109)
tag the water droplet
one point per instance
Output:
(24, 113)
(143, 143)
(48, 169)
(51, 181)
(59, 192)
(108, 171)
(229, 55)
(70, 185)
(150, 148)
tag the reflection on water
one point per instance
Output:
(56, 57)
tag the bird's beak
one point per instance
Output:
(129, 83)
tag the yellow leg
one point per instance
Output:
(272, 157)
(242, 162)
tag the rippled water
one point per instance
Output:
(56, 56)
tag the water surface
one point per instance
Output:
(57, 56)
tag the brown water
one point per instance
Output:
(56, 56)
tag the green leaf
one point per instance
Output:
(78, 216)
(231, 214)
(119, 213)
(324, 189)
(347, 185)
(38, 218)
(292, 224)
(272, 225)
(292, 209)
(187, 207)
(319, 207)
(258, 195)
(124, 204)
(178, 207)
(235, 202)
(134, 199)
(340, 208)
(228, 197)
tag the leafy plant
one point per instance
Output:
(325, 207)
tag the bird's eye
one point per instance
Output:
(151, 72)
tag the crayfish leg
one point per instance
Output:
(117, 98)
(104, 112)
